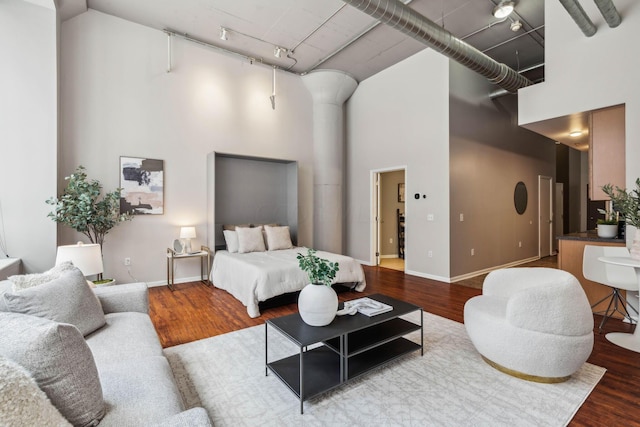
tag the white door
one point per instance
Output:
(378, 209)
(545, 216)
(558, 216)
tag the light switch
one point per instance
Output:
(430, 217)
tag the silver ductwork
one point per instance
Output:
(411, 23)
(609, 11)
(579, 15)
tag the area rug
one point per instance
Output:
(449, 386)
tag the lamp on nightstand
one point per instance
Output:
(187, 233)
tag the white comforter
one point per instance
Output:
(258, 276)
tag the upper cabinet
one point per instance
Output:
(606, 150)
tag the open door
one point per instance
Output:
(545, 216)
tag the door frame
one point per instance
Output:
(374, 232)
(541, 227)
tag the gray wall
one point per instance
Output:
(28, 131)
(489, 155)
(388, 206)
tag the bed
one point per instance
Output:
(258, 276)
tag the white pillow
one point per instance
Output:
(250, 240)
(30, 280)
(278, 238)
(231, 238)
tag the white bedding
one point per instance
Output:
(257, 276)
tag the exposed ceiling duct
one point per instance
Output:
(417, 26)
(580, 16)
(609, 11)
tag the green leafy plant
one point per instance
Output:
(626, 202)
(610, 217)
(321, 271)
(81, 208)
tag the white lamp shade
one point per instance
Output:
(188, 233)
(88, 258)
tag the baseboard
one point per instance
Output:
(428, 276)
(367, 263)
(490, 269)
(176, 281)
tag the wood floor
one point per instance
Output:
(194, 311)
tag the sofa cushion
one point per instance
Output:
(139, 393)
(22, 403)
(58, 358)
(67, 299)
(5, 286)
(25, 281)
(125, 336)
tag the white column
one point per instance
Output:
(329, 90)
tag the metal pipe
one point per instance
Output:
(579, 16)
(411, 23)
(609, 11)
(168, 53)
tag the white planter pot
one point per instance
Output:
(317, 304)
(607, 231)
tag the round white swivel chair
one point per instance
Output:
(616, 277)
(532, 323)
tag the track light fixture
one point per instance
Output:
(503, 9)
(516, 25)
(278, 51)
(223, 34)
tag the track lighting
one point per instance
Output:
(503, 9)
(223, 34)
(278, 51)
(516, 25)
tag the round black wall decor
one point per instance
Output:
(520, 197)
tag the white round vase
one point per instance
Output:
(607, 231)
(317, 304)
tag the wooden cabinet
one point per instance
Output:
(606, 150)
(570, 259)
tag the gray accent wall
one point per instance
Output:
(489, 155)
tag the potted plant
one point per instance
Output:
(628, 204)
(81, 208)
(608, 226)
(318, 302)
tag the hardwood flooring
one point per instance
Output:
(194, 311)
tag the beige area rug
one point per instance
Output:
(449, 386)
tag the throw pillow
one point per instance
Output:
(30, 280)
(68, 299)
(250, 240)
(22, 403)
(278, 238)
(59, 359)
(231, 238)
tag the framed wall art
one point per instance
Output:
(142, 183)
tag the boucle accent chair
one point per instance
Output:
(532, 323)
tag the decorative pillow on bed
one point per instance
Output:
(250, 240)
(232, 227)
(231, 239)
(278, 238)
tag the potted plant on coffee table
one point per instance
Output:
(318, 301)
(628, 204)
(81, 208)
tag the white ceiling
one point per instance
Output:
(316, 29)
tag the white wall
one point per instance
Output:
(583, 73)
(400, 117)
(118, 100)
(28, 131)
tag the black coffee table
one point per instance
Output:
(350, 346)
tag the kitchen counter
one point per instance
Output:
(589, 236)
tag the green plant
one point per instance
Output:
(610, 217)
(626, 202)
(321, 271)
(80, 208)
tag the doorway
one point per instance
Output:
(545, 216)
(390, 212)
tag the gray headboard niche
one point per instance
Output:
(250, 190)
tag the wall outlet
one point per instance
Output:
(461, 217)
(473, 252)
(519, 244)
(127, 261)
(430, 254)
(430, 217)
(391, 240)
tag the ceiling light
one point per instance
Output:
(278, 51)
(575, 133)
(516, 25)
(503, 9)
(223, 34)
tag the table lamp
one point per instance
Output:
(187, 233)
(87, 257)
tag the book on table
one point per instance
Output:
(367, 306)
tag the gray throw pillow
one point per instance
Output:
(58, 358)
(67, 299)
(26, 281)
